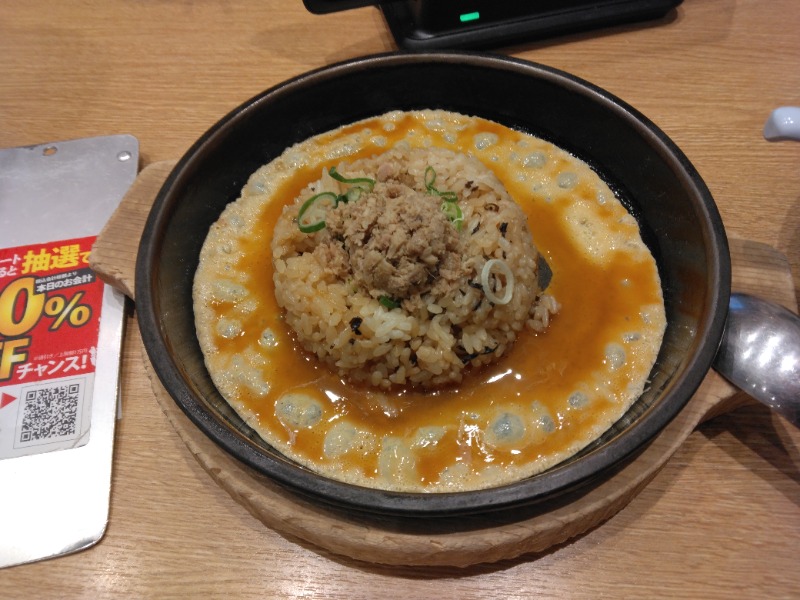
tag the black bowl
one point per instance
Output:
(676, 213)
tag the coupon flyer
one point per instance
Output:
(50, 304)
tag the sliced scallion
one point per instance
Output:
(311, 216)
(497, 270)
(449, 205)
(351, 195)
(453, 212)
(430, 179)
(389, 302)
(362, 182)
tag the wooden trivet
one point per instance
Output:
(462, 541)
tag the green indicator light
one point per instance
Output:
(467, 17)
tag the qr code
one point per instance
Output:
(51, 413)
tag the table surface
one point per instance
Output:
(721, 520)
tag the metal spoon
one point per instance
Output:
(760, 353)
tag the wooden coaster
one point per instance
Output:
(462, 541)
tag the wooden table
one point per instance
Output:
(721, 520)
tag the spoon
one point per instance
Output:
(760, 353)
(760, 349)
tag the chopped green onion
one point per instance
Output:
(504, 279)
(311, 216)
(449, 205)
(453, 212)
(351, 195)
(389, 302)
(362, 182)
(430, 178)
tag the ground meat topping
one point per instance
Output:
(398, 241)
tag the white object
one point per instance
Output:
(783, 124)
(57, 502)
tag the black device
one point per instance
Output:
(430, 24)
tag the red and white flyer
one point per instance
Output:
(59, 356)
(50, 305)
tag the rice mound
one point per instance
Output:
(392, 291)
